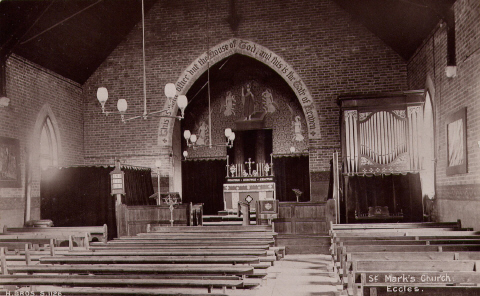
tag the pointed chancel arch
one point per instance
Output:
(253, 50)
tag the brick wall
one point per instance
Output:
(29, 88)
(332, 53)
(458, 195)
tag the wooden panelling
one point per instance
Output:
(134, 219)
(301, 218)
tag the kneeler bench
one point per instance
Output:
(116, 281)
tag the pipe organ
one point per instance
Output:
(381, 140)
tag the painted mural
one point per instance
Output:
(247, 97)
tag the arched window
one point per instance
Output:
(428, 149)
(48, 145)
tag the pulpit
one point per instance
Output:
(249, 182)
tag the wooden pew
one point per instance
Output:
(417, 282)
(166, 269)
(407, 267)
(205, 242)
(149, 259)
(420, 290)
(366, 252)
(98, 232)
(210, 229)
(39, 239)
(153, 245)
(347, 259)
(406, 248)
(128, 264)
(408, 225)
(77, 291)
(117, 281)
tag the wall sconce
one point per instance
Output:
(192, 139)
(292, 149)
(451, 71)
(4, 101)
(185, 154)
(122, 106)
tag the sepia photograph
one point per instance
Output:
(240, 147)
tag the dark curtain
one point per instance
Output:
(400, 192)
(138, 187)
(291, 172)
(202, 182)
(80, 196)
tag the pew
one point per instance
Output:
(167, 262)
(154, 228)
(193, 241)
(415, 282)
(421, 290)
(59, 238)
(149, 259)
(117, 281)
(443, 243)
(393, 251)
(100, 233)
(347, 259)
(406, 267)
(411, 225)
(77, 291)
(168, 269)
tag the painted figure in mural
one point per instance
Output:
(229, 104)
(248, 101)
(268, 103)
(297, 129)
(202, 133)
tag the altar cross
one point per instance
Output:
(249, 162)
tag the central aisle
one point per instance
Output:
(299, 275)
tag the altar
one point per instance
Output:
(249, 189)
(249, 184)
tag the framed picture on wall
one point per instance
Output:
(457, 142)
(9, 163)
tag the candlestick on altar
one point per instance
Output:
(271, 163)
(227, 167)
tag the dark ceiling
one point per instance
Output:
(73, 37)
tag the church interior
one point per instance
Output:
(231, 147)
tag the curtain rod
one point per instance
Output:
(99, 165)
(370, 174)
(205, 157)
